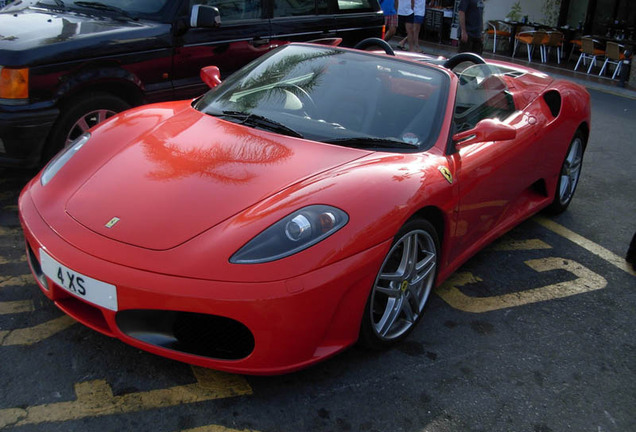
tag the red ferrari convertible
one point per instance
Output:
(310, 201)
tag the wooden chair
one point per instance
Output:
(589, 51)
(532, 39)
(614, 56)
(555, 40)
(576, 45)
(497, 30)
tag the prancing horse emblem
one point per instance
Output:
(446, 173)
(111, 223)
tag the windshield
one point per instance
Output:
(129, 8)
(336, 96)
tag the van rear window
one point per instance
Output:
(347, 5)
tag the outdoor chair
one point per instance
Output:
(555, 40)
(532, 39)
(499, 31)
(613, 55)
(589, 51)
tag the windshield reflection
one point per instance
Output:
(207, 156)
(337, 96)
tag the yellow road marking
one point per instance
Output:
(5, 195)
(9, 231)
(13, 307)
(586, 281)
(507, 244)
(31, 335)
(20, 280)
(598, 250)
(10, 208)
(95, 398)
(4, 260)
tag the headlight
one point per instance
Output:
(293, 233)
(61, 158)
(14, 84)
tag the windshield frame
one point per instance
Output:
(433, 110)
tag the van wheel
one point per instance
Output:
(78, 116)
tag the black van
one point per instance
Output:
(65, 65)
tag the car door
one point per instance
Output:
(496, 179)
(242, 36)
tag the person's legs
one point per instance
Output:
(391, 23)
(402, 20)
(417, 25)
(409, 36)
(473, 44)
(477, 45)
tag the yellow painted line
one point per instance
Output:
(6, 195)
(4, 260)
(95, 398)
(20, 280)
(13, 307)
(507, 244)
(9, 231)
(598, 250)
(586, 281)
(10, 208)
(31, 335)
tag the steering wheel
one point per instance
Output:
(299, 92)
(369, 42)
(461, 58)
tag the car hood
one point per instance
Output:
(34, 36)
(190, 173)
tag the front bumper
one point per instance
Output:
(293, 323)
(23, 134)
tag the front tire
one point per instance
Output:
(569, 175)
(402, 286)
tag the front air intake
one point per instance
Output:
(204, 335)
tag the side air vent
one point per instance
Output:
(553, 100)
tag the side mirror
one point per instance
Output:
(486, 130)
(211, 76)
(204, 16)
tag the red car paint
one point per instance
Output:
(191, 189)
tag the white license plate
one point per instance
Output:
(89, 289)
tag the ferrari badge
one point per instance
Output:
(446, 173)
(111, 223)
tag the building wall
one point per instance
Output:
(534, 9)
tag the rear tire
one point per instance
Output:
(78, 115)
(402, 286)
(569, 175)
